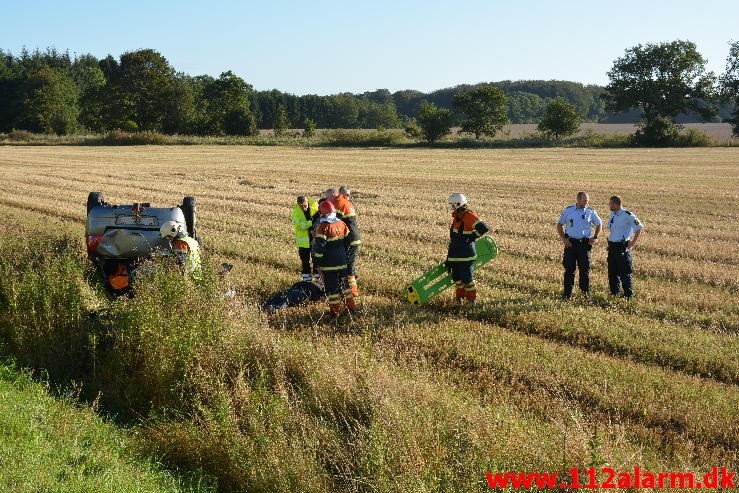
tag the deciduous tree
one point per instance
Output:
(662, 81)
(559, 119)
(435, 122)
(486, 109)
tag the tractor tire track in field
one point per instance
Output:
(477, 376)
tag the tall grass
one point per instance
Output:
(214, 390)
(44, 305)
(49, 444)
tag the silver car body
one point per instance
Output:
(127, 232)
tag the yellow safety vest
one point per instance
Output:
(301, 225)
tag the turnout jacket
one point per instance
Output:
(345, 211)
(329, 245)
(466, 228)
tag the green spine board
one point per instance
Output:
(435, 280)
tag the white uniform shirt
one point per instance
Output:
(577, 221)
(622, 224)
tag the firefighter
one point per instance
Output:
(185, 248)
(466, 228)
(302, 218)
(346, 212)
(329, 249)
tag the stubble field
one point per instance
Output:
(433, 397)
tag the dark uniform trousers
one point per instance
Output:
(577, 257)
(619, 268)
(305, 260)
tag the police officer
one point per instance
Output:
(575, 230)
(624, 230)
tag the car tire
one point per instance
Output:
(190, 210)
(95, 199)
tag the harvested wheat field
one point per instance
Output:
(406, 398)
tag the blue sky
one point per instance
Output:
(324, 47)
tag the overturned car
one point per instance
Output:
(120, 237)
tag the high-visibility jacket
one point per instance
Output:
(466, 228)
(345, 211)
(330, 244)
(301, 225)
(187, 250)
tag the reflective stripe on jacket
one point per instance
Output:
(187, 250)
(329, 245)
(346, 212)
(466, 228)
(301, 225)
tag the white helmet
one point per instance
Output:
(457, 200)
(171, 228)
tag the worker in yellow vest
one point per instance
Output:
(302, 219)
(185, 248)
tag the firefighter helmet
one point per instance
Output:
(170, 228)
(326, 207)
(457, 200)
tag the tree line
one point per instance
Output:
(659, 81)
(51, 92)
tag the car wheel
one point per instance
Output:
(189, 209)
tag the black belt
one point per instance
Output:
(578, 240)
(619, 243)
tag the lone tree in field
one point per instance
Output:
(281, 123)
(309, 128)
(730, 83)
(486, 109)
(662, 80)
(560, 119)
(435, 122)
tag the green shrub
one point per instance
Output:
(122, 138)
(560, 119)
(20, 136)
(658, 132)
(694, 138)
(413, 131)
(309, 128)
(435, 122)
(361, 138)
